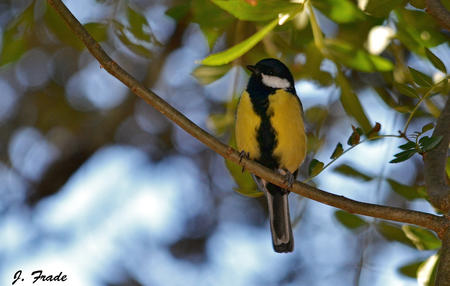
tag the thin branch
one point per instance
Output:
(345, 151)
(429, 92)
(433, 222)
(439, 12)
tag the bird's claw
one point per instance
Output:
(243, 155)
(288, 178)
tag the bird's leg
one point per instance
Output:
(243, 155)
(288, 177)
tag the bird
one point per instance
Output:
(269, 129)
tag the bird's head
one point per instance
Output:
(272, 73)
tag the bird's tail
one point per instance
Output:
(280, 221)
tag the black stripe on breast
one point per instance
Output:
(266, 135)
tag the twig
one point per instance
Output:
(350, 148)
(426, 95)
(433, 222)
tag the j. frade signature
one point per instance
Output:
(38, 275)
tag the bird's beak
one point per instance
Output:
(253, 69)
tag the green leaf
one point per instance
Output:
(386, 96)
(212, 20)
(423, 239)
(393, 232)
(97, 30)
(340, 11)
(408, 192)
(403, 108)
(406, 90)
(316, 115)
(437, 63)
(432, 108)
(136, 20)
(337, 151)
(417, 29)
(403, 35)
(403, 156)
(311, 68)
(15, 36)
(314, 143)
(381, 8)
(315, 167)
(427, 127)
(349, 171)
(424, 140)
(262, 11)
(408, 145)
(208, 74)
(349, 220)
(447, 167)
(238, 50)
(60, 29)
(220, 122)
(139, 26)
(442, 87)
(137, 47)
(211, 35)
(178, 12)
(429, 143)
(245, 184)
(410, 269)
(420, 78)
(380, 64)
(14, 46)
(355, 58)
(351, 103)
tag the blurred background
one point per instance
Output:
(97, 184)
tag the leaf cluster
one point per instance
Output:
(419, 145)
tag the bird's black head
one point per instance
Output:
(272, 73)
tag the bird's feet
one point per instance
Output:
(289, 178)
(243, 155)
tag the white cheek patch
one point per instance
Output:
(275, 82)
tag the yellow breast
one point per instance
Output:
(247, 124)
(288, 124)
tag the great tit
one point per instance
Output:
(270, 130)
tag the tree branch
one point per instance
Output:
(435, 161)
(443, 270)
(438, 190)
(439, 12)
(433, 222)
